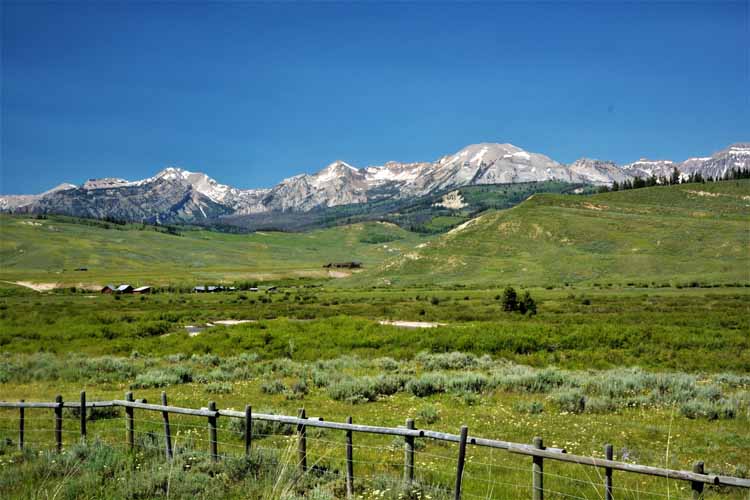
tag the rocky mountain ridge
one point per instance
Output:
(178, 195)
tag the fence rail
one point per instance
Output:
(537, 451)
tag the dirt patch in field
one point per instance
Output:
(193, 330)
(38, 287)
(412, 324)
(230, 322)
(716, 195)
(339, 274)
(46, 287)
(591, 206)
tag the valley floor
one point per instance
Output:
(567, 374)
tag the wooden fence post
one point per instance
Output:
(248, 428)
(302, 443)
(58, 422)
(608, 454)
(409, 454)
(461, 460)
(21, 424)
(538, 471)
(697, 486)
(212, 437)
(129, 424)
(167, 433)
(349, 461)
(83, 416)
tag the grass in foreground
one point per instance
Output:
(662, 419)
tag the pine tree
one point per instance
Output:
(675, 179)
(510, 299)
(528, 304)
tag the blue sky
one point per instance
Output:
(252, 93)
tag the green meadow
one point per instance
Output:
(644, 369)
(50, 250)
(641, 339)
(676, 234)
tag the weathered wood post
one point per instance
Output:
(212, 437)
(697, 486)
(58, 421)
(167, 433)
(302, 443)
(83, 416)
(538, 471)
(248, 428)
(349, 461)
(129, 424)
(461, 460)
(608, 454)
(21, 423)
(409, 454)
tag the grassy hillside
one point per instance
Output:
(426, 214)
(675, 234)
(661, 235)
(49, 250)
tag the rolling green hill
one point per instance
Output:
(672, 234)
(428, 214)
(49, 251)
(660, 235)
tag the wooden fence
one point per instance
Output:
(538, 453)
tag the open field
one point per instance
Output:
(688, 329)
(648, 350)
(688, 402)
(663, 419)
(49, 251)
(677, 234)
(660, 235)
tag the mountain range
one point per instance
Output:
(177, 195)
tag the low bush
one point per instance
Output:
(571, 401)
(426, 385)
(530, 408)
(162, 378)
(219, 388)
(363, 389)
(273, 387)
(428, 414)
(446, 361)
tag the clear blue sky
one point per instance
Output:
(252, 93)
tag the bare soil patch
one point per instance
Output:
(412, 324)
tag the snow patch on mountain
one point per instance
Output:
(178, 194)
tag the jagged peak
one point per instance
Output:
(338, 165)
(588, 161)
(648, 161)
(104, 182)
(739, 148)
(171, 173)
(60, 187)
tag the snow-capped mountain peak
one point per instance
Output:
(177, 194)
